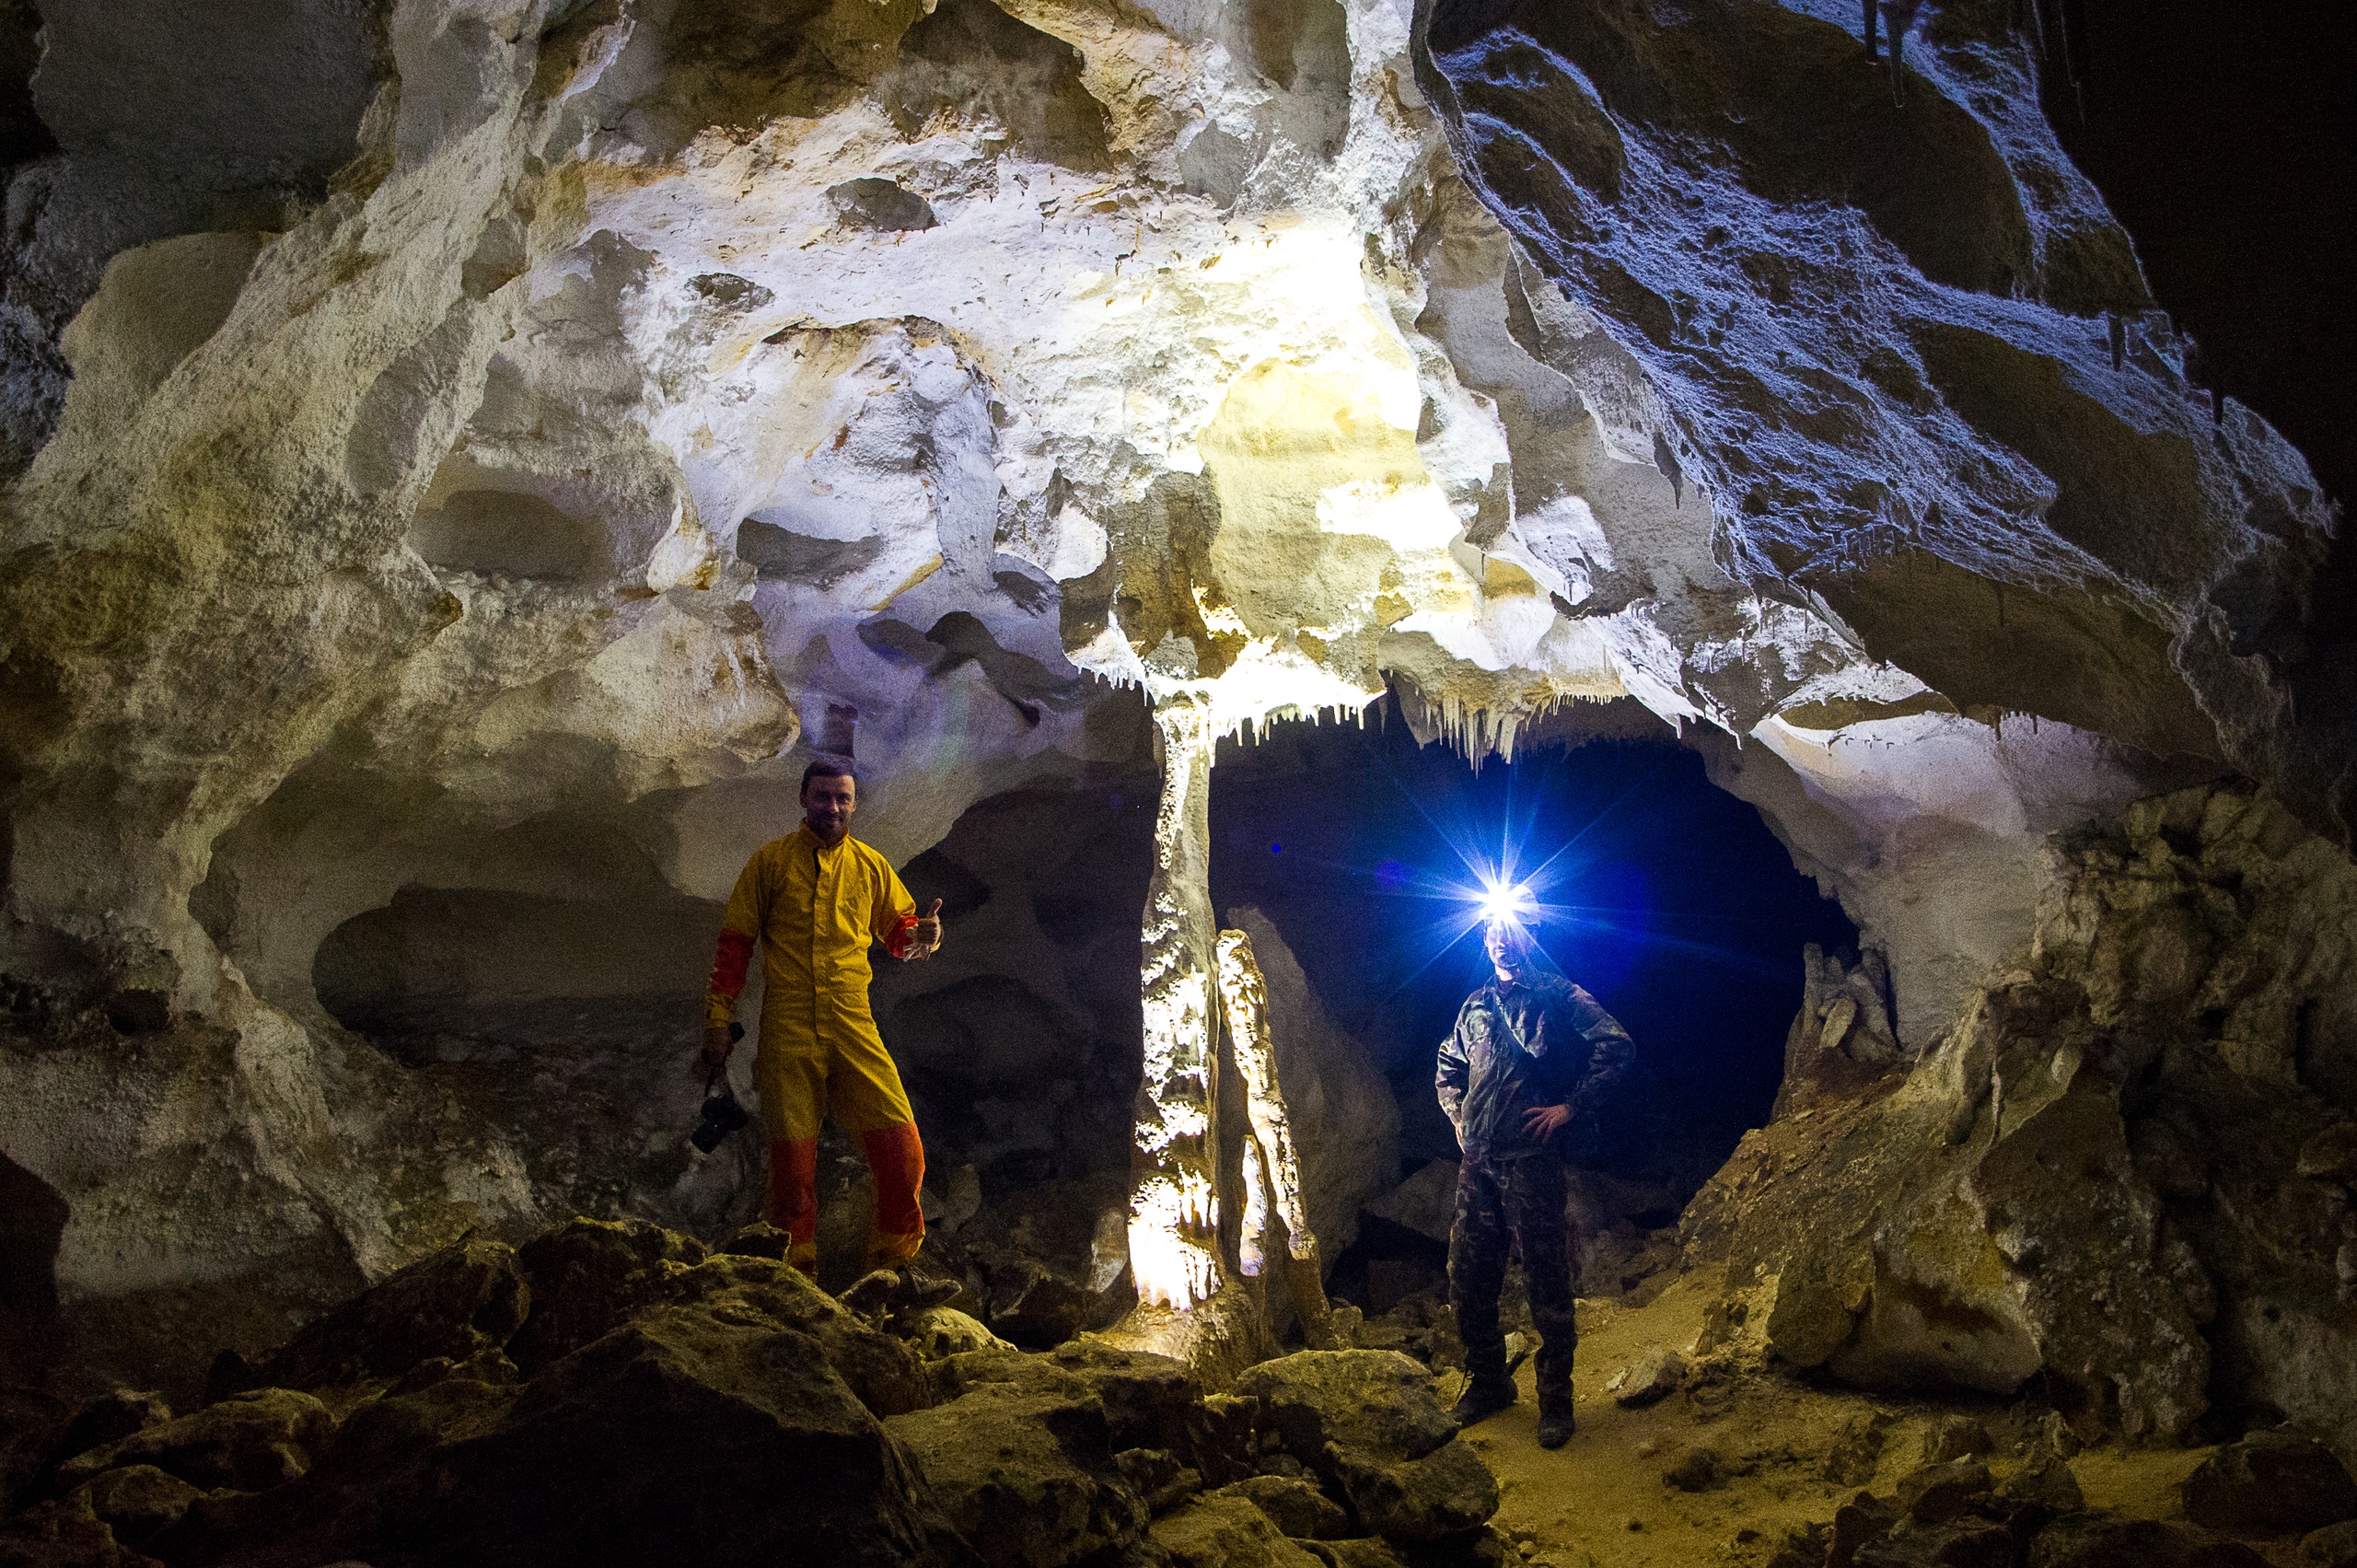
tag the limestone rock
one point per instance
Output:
(1049, 1262)
(1344, 1119)
(591, 1457)
(2332, 1154)
(1425, 1202)
(1649, 1379)
(2335, 1546)
(248, 1442)
(1296, 1507)
(1619, 245)
(502, 445)
(1024, 1478)
(2099, 1540)
(137, 1502)
(2044, 1483)
(1939, 1493)
(1366, 1423)
(1157, 1477)
(1857, 1450)
(883, 1371)
(942, 1331)
(1953, 1543)
(1955, 1437)
(465, 1299)
(1226, 1530)
(2270, 1481)
(2145, 964)
(589, 1275)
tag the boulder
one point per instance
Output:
(1158, 1478)
(1857, 1450)
(1024, 1470)
(2042, 1482)
(1366, 1423)
(1696, 1469)
(1295, 1506)
(136, 1502)
(1955, 1437)
(1953, 1543)
(1425, 1202)
(1345, 1120)
(941, 1331)
(1375, 1405)
(1049, 1261)
(468, 1297)
(882, 1370)
(2270, 1481)
(248, 1442)
(1223, 1530)
(2143, 1253)
(587, 1276)
(691, 1432)
(108, 1418)
(2332, 1154)
(2335, 1546)
(1649, 1379)
(63, 1533)
(1938, 1494)
(1357, 1552)
(1149, 1401)
(2103, 1541)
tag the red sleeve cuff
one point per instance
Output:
(730, 960)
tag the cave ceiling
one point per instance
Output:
(454, 432)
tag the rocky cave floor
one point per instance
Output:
(615, 1392)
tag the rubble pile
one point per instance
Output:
(614, 1391)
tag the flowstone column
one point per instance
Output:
(1174, 1196)
(1272, 1165)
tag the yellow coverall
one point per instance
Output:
(814, 910)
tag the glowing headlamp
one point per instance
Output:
(1505, 903)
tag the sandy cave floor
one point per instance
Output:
(1600, 1501)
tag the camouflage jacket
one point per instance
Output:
(1515, 1048)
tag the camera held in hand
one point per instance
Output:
(722, 1113)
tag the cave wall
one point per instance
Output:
(473, 456)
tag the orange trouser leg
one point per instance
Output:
(793, 1197)
(896, 1157)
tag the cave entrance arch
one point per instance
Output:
(1668, 898)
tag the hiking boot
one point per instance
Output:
(1482, 1398)
(1555, 1428)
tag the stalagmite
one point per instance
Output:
(1174, 1203)
(1269, 1153)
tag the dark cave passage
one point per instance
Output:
(1669, 899)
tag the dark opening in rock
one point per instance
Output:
(507, 533)
(880, 204)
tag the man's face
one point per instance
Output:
(827, 805)
(1504, 948)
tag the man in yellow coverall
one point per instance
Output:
(814, 901)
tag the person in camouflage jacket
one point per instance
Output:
(1531, 1054)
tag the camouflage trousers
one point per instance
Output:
(1516, 1202)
